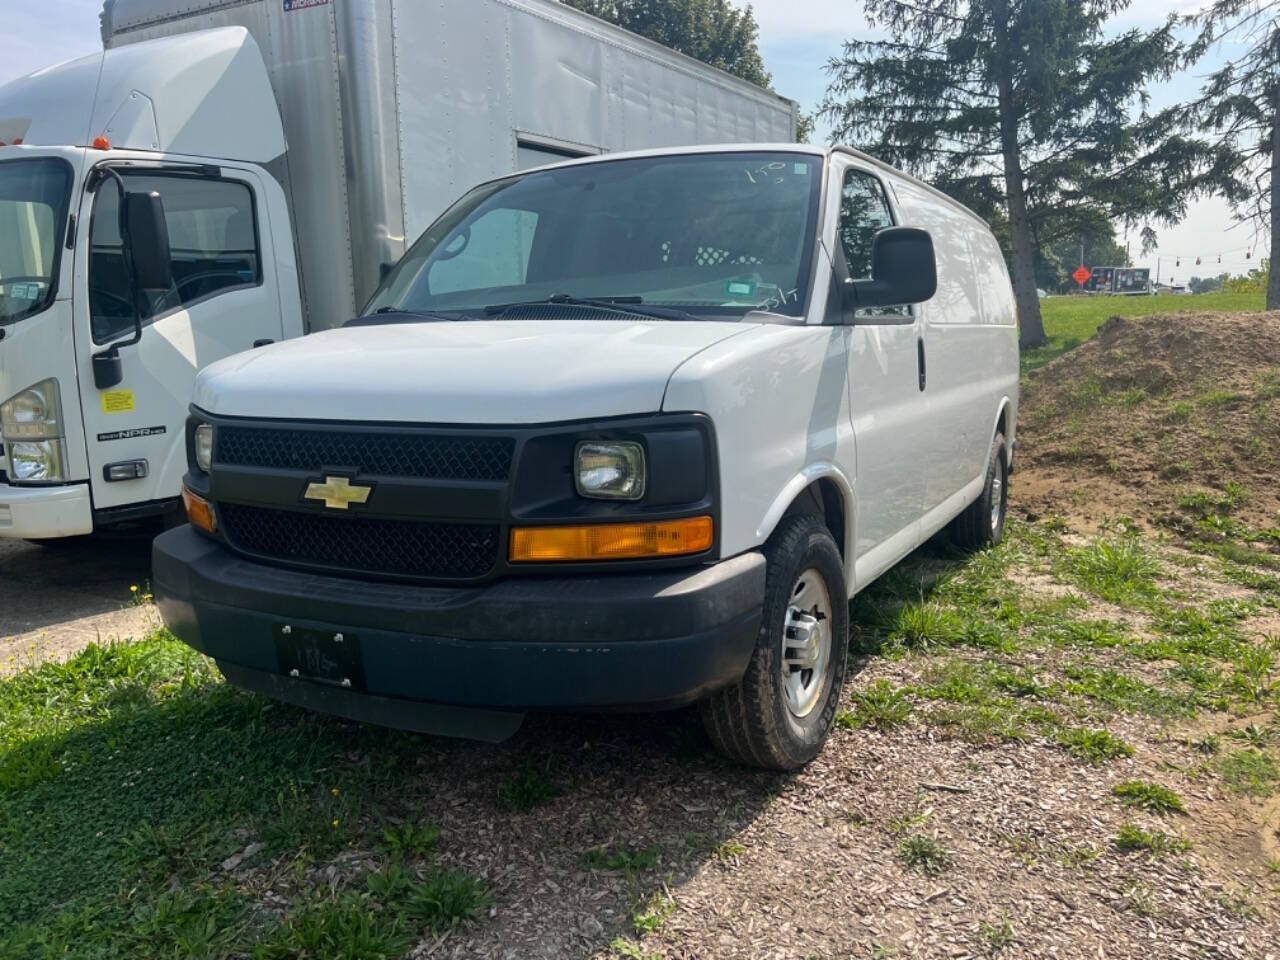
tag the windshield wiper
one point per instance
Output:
(631, 305)
(401, 315)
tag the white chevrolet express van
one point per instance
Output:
(625, 432)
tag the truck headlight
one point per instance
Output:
(204, 446)
(31, 426)
(609, 470)
(33, 414)
(36, 462)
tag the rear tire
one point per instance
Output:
(982, 523)
(778, 716)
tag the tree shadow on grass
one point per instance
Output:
(119, 832)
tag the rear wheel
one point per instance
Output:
(982, 523)
(779, 714)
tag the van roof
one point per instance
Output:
(807, 149)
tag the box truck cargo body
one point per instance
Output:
(225, 174)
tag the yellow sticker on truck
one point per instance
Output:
(117, 401)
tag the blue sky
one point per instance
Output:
(797, 37)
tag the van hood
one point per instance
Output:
(482, 371)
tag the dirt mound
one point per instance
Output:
(1169, 419)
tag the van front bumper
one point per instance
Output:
(641, 641)
(44, 513)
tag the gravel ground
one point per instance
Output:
(54, 600)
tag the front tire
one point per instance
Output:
(982, 523)
(778, 716)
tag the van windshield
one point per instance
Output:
(712, 235)
(33, 211)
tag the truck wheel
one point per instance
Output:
(778, 715)
(982, 523)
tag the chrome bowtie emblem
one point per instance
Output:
(338, 493)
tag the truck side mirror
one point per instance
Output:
(903, 270)
(148, 233)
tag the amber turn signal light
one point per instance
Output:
(199, 511)
(611, 541)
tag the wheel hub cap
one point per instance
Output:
(806, 644)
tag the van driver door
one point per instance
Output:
(885, 388)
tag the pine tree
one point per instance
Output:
(1241, 104)
(1027, 106)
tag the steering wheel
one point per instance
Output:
(175, 292)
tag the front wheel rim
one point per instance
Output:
(997, 499)
(806, 644)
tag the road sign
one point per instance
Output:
(1081, 275)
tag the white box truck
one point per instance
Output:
(228, 174)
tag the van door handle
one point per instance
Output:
(264, 342)
(920, 358)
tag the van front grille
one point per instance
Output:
(372, 453)
(368, 546)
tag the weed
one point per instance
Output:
(1253, 735)
(342, 930)
(924, 853)
(410, 839)
(996, 936)
(925, 626)
(1114, 569)
(656, 912)
(622, 858)
(524, 791)
(1179, 411)
(729, 850)
(880, 707)
(1131, 839)
(446, 900)
(1251, 771)
(1095, 746)
(1148, 796)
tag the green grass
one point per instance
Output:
(1252, 771)
(1114, 569)
(1070, 321)
(1094, 746)
(1151, 797)
(131, 773)
(880, 707)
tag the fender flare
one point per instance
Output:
(809, 475)
(1006, 403)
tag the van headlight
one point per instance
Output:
(609, 470)
(31, 426)
(203, 444)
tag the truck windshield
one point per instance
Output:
(33, 210)
(712, 235)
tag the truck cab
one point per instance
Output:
(141, 238)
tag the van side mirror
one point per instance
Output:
(903, 270)
(144, 224)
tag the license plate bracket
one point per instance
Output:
(323, 656)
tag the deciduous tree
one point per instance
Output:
(1241, 103)
(713, 31)
(1029, 106)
